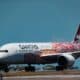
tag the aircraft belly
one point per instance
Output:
(49, 59)
(30, 58)
(13, 59)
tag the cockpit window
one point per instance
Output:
(3, 50)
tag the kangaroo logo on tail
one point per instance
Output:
(77, 36)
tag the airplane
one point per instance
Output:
(63, 53)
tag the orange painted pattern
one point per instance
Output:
(60, 48)
(47, 52)
(66, 47)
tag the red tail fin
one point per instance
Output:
(77, 36)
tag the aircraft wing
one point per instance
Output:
(76, 54)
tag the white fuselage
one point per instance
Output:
(17, 52)
(34, 53)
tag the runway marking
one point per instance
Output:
(46, 76)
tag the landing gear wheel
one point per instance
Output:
(59, 68)
(30, 68)
(6, 70)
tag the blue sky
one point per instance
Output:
(38, 20)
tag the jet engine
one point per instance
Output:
(65, 61)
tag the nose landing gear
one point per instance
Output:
(6, 70)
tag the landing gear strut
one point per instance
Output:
(60, 68)
(6, 69)
(30, 68)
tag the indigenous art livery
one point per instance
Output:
(63, 53)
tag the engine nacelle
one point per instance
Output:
(66, 60)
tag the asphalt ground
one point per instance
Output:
(23, 73)
(44, 77)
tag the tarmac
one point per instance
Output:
(23, 73)
(43, 75)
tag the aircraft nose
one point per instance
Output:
(3, 53)
(3, 57)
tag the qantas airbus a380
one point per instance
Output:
(64, 54)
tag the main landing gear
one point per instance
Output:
(60, 68)
(30, 68)
(6, 70)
